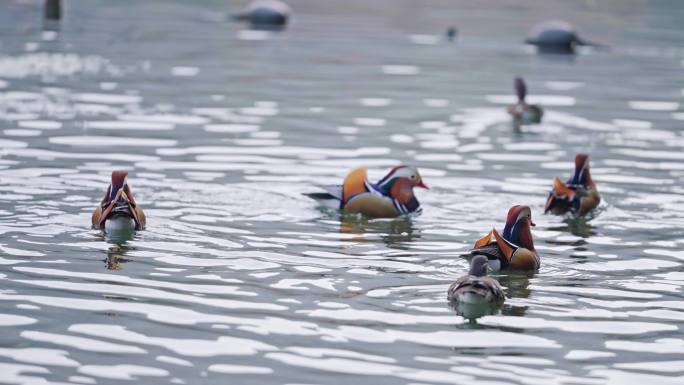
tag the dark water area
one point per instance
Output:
(239, 278)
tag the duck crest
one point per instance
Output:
(517, 230)
(118, 182)
(520, 89)
(582, 176)
(387, 182)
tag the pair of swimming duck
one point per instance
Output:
(392, 196)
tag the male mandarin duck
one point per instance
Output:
(477, 287)
(521, 111)
(390, 197)
(514, 249)
(118, 208)
(578, 195)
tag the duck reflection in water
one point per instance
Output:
(117, 247)
(517, 285)
(576, 226)
(115, 257)
(393, 232)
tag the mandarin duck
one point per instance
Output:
(578, 195)
(390, 197)
(522, 112)
(118, 209)
(514, 249)
(477, 287)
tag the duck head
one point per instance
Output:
(479, 266)
(517, 230)
(400, 181)
(520, 89)
(582, 176)
(120, 181)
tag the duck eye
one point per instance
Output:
(412, 177)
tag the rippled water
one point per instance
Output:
(239, 277)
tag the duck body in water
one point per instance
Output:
(118, 209)
(390, 197)
(476, 287)
(578, 195)
(522, 112)
(514, 250)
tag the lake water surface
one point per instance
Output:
(239, 278)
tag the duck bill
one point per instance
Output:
(423, 185)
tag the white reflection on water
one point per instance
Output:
(122, 372)
(186, 347)
(87, 344)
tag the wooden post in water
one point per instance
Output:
(53, 9)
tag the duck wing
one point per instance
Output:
(491, 251)
(561, 197)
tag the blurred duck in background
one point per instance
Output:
(522, 112)
(556, 37)
(265, 14)
(578, 195)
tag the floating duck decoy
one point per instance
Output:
(477, 287)
(118, 209)
(578, 195)
(265, 14)
(514, 249)
(522, 112)
(390, 197)
(555, 37)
